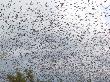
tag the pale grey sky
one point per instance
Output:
(72, 32)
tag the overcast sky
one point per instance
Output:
(38, 31)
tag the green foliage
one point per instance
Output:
(28, 75)
(19, 77)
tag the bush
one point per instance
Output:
(29, 77)
(20, 77)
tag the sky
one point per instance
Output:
(55, 37)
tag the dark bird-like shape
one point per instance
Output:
(62, 4)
